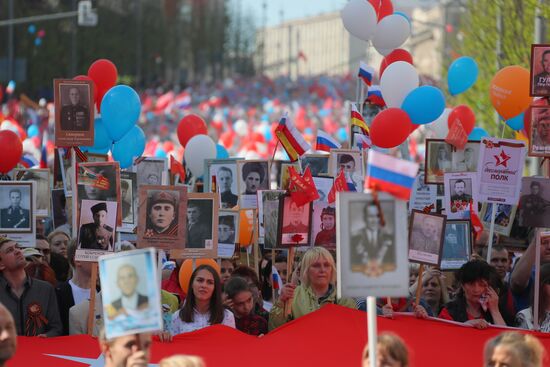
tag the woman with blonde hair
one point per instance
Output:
(317, 288)
(434, 291)
(180, 360)
(391, 351)
(513, 349)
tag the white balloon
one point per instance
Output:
(440, 127)
(398, 80)
(384, 51)
(359, 18)
(199, 148)
(241, 127)
(391, 32)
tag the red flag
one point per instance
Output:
(177, 168)
(476, 222)
(340, 184)
(302, 188)
(457, 136)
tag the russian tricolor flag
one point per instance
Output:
(28, 161)
(277, 282)
(389, 174)
(325, 142)
(366, 73)
(374, 96)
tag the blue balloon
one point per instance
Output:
(31, 29)
(462, 75)
(38, 41)
(120, 110)
(33, 131)
(516, 123)
(424, 104)
(129, 147)
(102, 141)
(221, 152)
(342, 134)
(478, 133)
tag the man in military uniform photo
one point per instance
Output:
(297, 216)
(426, 237)
(327, 236)
(533, 207)
(97, 235)
(197, 231)
(225, 180)
(75, 116)
(15, 216)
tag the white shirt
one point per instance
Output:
(130, 303)
(200, 321)
(79, 294)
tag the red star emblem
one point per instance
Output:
(502, 159)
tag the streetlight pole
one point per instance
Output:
(10, 42)
(74, 53)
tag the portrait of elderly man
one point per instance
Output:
(14, 216)
(97, 235)
(162, 214)
(75, 115)
(254, 177)
(426, 233)
(131, 301)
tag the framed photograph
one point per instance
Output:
(457, 247)
(323, 185)
(323, 225)
(317, 163)
(128, 200)
(427, 232)
(460, 191)
(268, 214)
(225, 171)
(67, 167)
(540, 70)
(99, 181)
(162, 211)
(151, 171)
(130, 292)
(42, 179)
(294, 224)
(504, 217)
(351, 162)
(253, 175)
(285, 174)
(74, 112)
(17, 213)
(59, 207)
(422, 194)
(534, 202)
(539, 141)
(96, 234)
(371, 246)
(442, 158)
(228, 233)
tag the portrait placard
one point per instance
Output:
(162, 211)
(285, 174)
(74, 112)
(427, 232)
(130, 293)
(225, 171)
(59, 207)
(351, 162)
(317, 163)
(539, 134)
(422, 194)
(323, 186)
(228, 233)
(151, 171)
(268, 214)
(460, 191)
(294, 226)
(17, 207)
(371, 246)
(96, 234)
(253, 175)
(128, 200)
(540, 70)
(534, 203)
(442, 157)
(323, 225)
(457, 246)
(504, 217)
(42, 179)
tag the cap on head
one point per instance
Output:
(98, 207)
(31, 251)
(329, 210)
(163, 197)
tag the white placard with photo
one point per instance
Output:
(460, 191)
(422, 194)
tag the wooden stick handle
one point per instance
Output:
(289, 266)
(419, 287)
(91, 309)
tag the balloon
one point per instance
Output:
(383, 8)
(509, 91)
(359, 18)
(12, 149)
(129, 147)
(465, 115)
(102, 141)
(160, 153)
(33, 131)
(440, 126)
(394, 56)
(120, 110)
(85, 77)
(516, 123)
(240, 127)
(199, 148)
(478, 133)
(189, 126)
(462, 75)
(186, 270)
(221, 152)
(424, 104)
(342, 134)
(391, 32)
(399, 79)
(390, 128)
(104, 73)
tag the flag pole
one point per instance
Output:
(371, 329)
(491, 232)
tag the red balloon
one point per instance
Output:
(465, 115)
(529, 112)
(11, 152)
(104, 74)
(85, 77)
(396, 55)
(383, 8)
(390, 128)
(190, 126)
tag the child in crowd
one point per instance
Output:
(242, 300)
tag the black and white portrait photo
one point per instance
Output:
(534, 202)
(317, 163)
(227, 232)
(253, 176)
(438, 160)
(128, 198)
(269, 217)
(351, 163)
(426, 237)
(97, 225)
(16, 206)
(74, 107)
(42, 179)
(150, 171)
(459, 193)
(465, 160)
(540, 70)
(457, 246)
(59, 207)
(226, 182)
